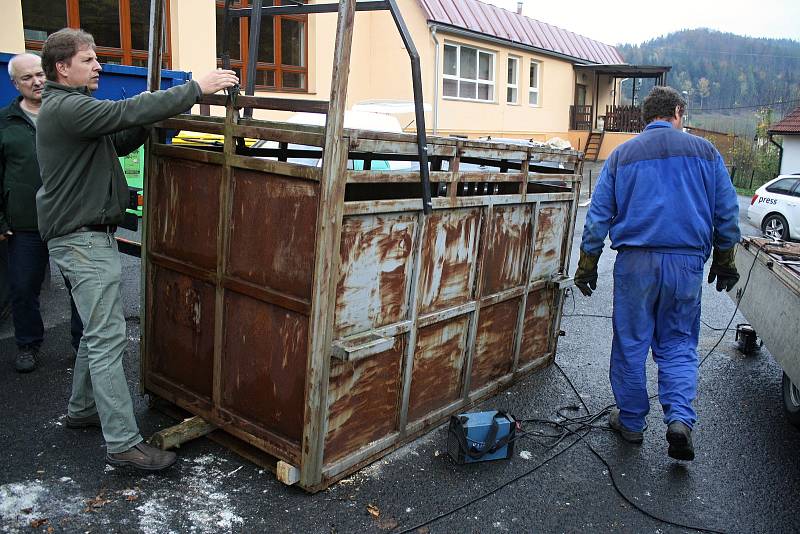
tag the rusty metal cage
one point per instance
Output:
(317, 312)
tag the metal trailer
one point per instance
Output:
(323, 314)
(768, 294)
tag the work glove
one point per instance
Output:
(586, 273)
(723, 269)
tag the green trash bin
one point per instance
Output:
(133, 167)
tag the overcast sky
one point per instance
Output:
(622, 21)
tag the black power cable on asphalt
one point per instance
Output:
(586, 422)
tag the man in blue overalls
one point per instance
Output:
(666, 200)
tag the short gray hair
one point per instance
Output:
(14, 60)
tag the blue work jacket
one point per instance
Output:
(664, 190)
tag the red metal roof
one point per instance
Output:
(477, 16)
(790, 124)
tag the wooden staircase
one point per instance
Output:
(593, 144)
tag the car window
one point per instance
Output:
(783, 187)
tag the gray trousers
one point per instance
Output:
(91, 263)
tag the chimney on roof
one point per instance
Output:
(519, 8)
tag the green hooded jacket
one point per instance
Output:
(79, 139)
(19, 170)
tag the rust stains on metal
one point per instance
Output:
(438, 363)
(494, 342)
(247, 293)
(449, 250)
(184, 209)
(508, 245)
(550, 232)
(374, 272)
(536, 326)
(363, 401)
(264, 364)
(182, 344)
(272, 231)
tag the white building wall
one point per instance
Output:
(791, 154)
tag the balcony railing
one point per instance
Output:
(623, 119)
(580, 117)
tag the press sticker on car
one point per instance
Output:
(763, 200)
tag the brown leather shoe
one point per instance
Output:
(83, 422)
(142, 456)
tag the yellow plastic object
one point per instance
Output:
(204, 139)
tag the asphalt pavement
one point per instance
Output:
(746, 477)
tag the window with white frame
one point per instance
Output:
(512, 82)
(468, 73)
(535, 81)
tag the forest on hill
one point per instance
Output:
(725, 74)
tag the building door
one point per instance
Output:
(580, 94)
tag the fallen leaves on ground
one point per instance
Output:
(36, 523)
(96, 503)
(374, 511)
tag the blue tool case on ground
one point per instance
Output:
(481, 436)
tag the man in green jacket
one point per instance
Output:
(19, 181)
(83, 197)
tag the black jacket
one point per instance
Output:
(19, 170)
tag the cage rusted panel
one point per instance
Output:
(494, 343)
(183, 328)
(184, 221)
(263, 365)
(363, 401)
(537, 326)
(438, 365)
(448, 258)
(508, 246)
(270, 245)
(374, 272)
(429, 313)
(551, 228)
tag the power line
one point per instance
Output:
(722, 52)
(749, 107)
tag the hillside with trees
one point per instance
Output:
(725, 74)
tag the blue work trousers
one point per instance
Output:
(27, 262)
(656, 306)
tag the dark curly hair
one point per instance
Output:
(661, 104)
(61, 46)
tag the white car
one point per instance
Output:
(775, 208)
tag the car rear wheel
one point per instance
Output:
(791, 400)
(775, 227)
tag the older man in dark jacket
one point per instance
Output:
(19, 180)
